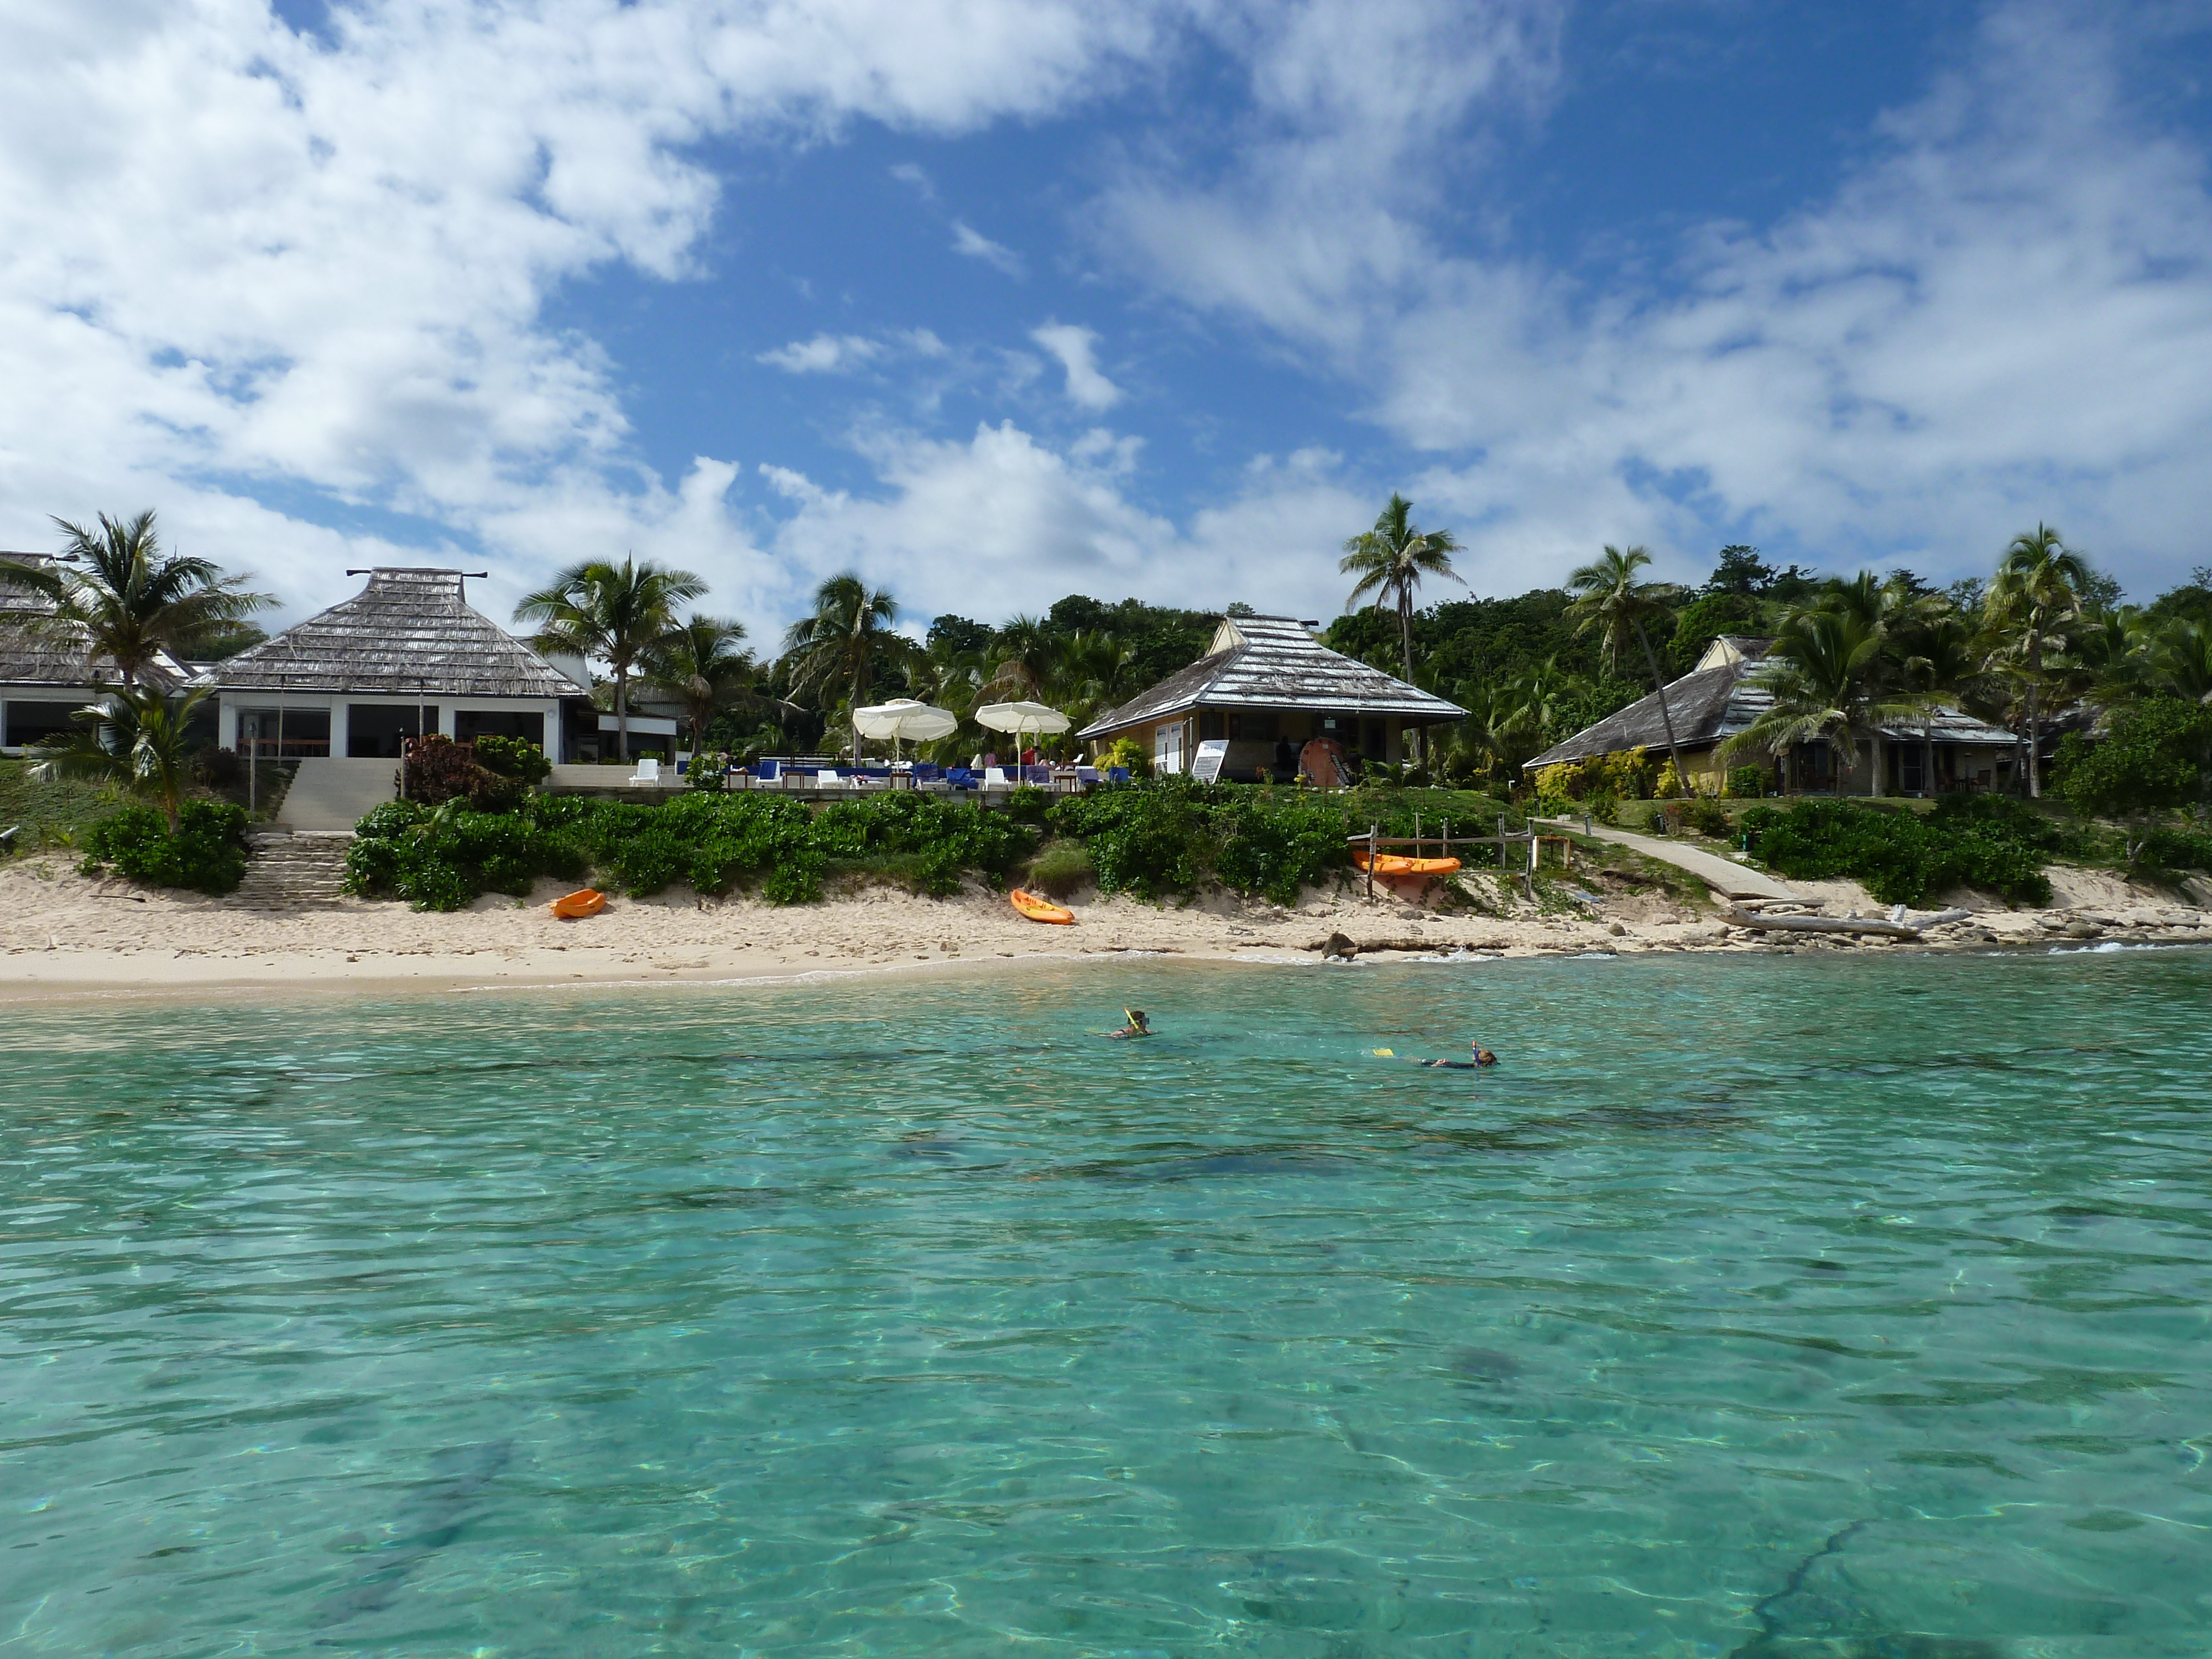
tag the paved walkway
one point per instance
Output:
(1723, 875)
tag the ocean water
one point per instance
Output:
(1792, 1308)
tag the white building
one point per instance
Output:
(405, 656)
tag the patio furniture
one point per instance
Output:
(648, 770)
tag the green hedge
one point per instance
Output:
(442, 860)
(1990, 841)
(1172, 835)
(1153, 839)
(206, 854)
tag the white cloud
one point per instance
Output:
(246, 263)
(825, 354)
(2004, 313)
(1076, 350)
(973, 245)
(1004, 522)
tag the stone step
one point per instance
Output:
(294, 870)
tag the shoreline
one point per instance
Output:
(64, 937)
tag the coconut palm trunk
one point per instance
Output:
(1666, 714)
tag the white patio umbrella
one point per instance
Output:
(1020, 717)
(903, 719)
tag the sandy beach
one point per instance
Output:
(65, 935)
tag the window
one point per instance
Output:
(1255, 725)
(374, 730)
(1211, 723)
(34, 722)
(469, 723)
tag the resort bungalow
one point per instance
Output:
(407, 655)
(43, 680)
(1721, 697)
(1266, 686)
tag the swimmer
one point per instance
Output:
(1482, 1057)
(1138, 1026)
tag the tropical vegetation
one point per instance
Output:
(115, 590)
(618, 614)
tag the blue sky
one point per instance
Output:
(996, 300)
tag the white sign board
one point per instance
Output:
(1205, 765)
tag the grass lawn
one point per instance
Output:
(46, 814)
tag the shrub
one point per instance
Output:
(514, 757)
(206, 854)
(1169, 835)
(1063, 868)
(2155, 759)
(1746, 782)
(440, 770)
(1708, 818)
(1904, 858)
(2176, 849)
(1126, 752)
(441, 859)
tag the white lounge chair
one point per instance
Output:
(648, 770)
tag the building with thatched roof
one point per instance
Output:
(406, 655)
(47, 676)
(1723, 695)
(1265, 686)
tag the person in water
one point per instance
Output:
(1138, 1026)
(1481, 1057)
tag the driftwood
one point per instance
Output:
(1344, 948)
(1887, 928)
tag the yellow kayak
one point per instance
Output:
(1038, 910)
(1389, 864)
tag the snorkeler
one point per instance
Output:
(1482, 1057)
(1137, 1026)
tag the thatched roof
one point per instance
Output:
(1275, 662)
(408, 632)
(1718, 699)
(32, 654)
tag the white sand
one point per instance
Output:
(64, 935)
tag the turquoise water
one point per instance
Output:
(1813, 1306)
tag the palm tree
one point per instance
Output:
(616, 612)
(2035, 594)
(1942, 653)
(129, 601)
(136, 736)
(2179, 657)
(1391, 560)
(1826, 677)
(1088, 672)
(1021, 657)
(704, 666)
(1503, 724)
(1612, 600)
(844, 641)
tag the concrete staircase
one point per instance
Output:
(287, 870)
(332, 794)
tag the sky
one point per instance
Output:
(994, 300)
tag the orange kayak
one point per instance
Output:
(1389, 864)
(587, 901)
(1038, 909)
